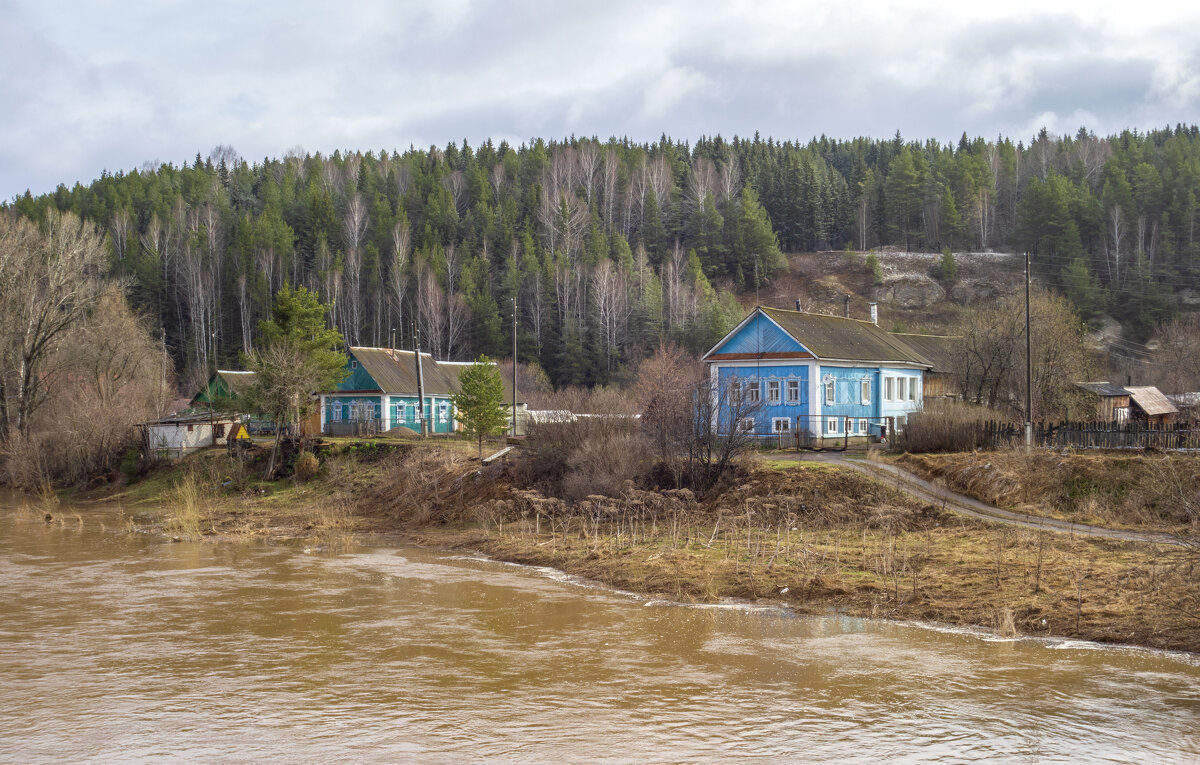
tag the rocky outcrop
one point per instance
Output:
(909, 292)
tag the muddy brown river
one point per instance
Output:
(125, 647)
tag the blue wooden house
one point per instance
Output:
(380, 393)
(820, 377)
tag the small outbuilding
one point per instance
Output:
(1106, 402)
(1110, 402)
(178, 435)
(1148, 404)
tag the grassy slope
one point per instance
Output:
(1145, 492)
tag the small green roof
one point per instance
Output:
(224, 384)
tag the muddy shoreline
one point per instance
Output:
(815, 537)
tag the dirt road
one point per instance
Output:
(960, 503)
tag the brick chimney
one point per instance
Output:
(846, 306)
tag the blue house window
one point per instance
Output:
(793, 391)
(829, 392)
(753, 392)
(866, 390)
(773, 391)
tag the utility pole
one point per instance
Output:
(1028, 365)
(514, 362)
(420, 384)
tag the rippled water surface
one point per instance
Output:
(123, 647)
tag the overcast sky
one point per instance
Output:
(112, 84)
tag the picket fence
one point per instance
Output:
(1089, 435)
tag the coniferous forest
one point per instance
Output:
(607, 248)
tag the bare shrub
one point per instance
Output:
(602, 464)
(581, 418)
(24, 462)
(306, 466)
(945, 426)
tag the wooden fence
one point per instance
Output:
(1085, 435)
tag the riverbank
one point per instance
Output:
(817, 537)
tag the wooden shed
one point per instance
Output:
(1107, 402)
(1148, 404)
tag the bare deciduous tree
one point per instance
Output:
(49, 280)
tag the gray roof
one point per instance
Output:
(1151, 400)
(396, 371)
(835, 337)
(1103, 388)
(939, 349)
(454, 368)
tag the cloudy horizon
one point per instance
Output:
(112, 86)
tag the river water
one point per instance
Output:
(124, 647)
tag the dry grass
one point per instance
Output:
(1015, 583)
(1152, 492)
(184, 511)
(944, 426)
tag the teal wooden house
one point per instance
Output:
(789, 373)
(380, 393)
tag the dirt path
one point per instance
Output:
(960, 503)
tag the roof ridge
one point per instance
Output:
(819, 315)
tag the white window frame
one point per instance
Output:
(774, 389)
(793, 391)
(862, 426)
(830, 395)
(912, 389)
(901, 388)
(781, 424)
(735, 391)
(865, 391)
(746, 425)
(831, 425)
(354, 363)
(889, 387)
(753, 391)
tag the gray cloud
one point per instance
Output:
(113, 84)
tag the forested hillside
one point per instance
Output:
(608, 247)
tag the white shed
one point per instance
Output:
(179, 435)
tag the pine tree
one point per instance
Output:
(479, 403)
